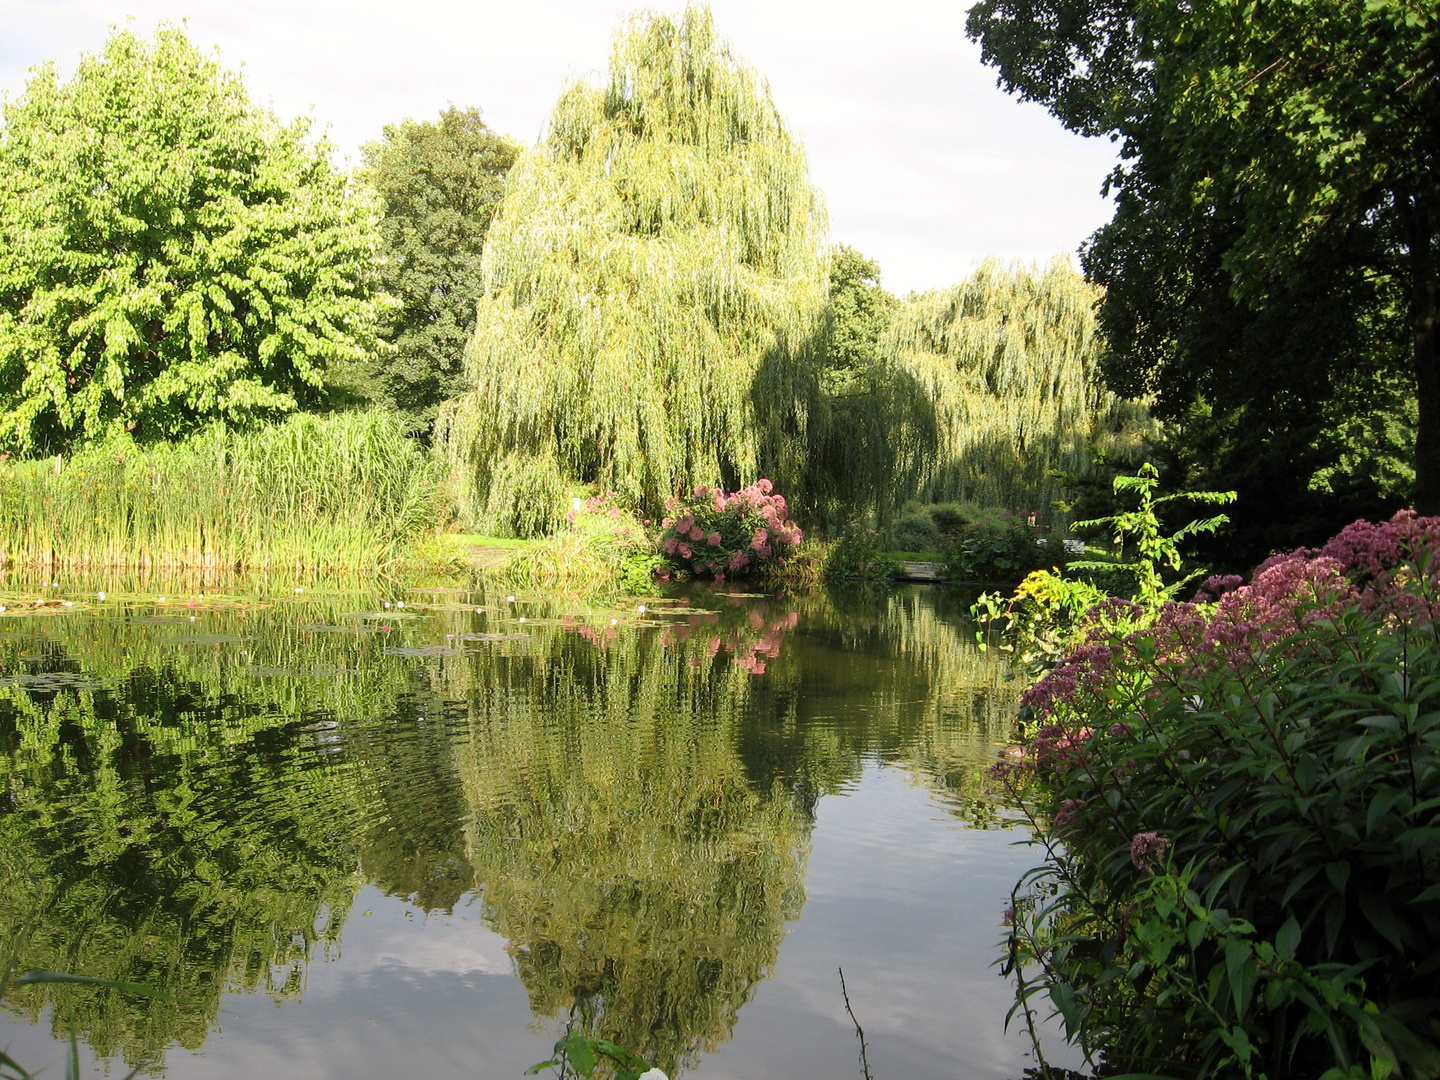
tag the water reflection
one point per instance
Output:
(195, 790)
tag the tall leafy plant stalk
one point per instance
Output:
(1009, 360)
(1052, 611)
(347, 491)
(654, 281)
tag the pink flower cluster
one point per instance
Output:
(1391, 568)
(732, 535)
(1148, 850)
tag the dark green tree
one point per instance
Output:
(1271, 268)
(170, 253)
(438, 185)
(861, 311)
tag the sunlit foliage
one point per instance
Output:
(170, 254)
(654, 280)
(1008, 362)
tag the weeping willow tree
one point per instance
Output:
(1008, 360)
(654, 282)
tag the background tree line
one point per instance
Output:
(658, 303)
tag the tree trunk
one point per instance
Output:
(1427, 364)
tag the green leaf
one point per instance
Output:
(1287, 939)
(580, 1054)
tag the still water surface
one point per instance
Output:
(358, 841)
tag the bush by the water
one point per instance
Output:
(979, 544)
(602, 545)
(1240, 801)
(347, 491)
(736, 535)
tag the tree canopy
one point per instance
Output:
(1007, 360)
(170, 253)
(1270, 271)
(438, 183)
(653, 281)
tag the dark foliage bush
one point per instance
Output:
(1242, 814)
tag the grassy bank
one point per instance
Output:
(347, 491)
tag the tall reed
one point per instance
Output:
(341, 491)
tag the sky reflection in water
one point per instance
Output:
(357, 841)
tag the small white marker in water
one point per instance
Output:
(101, 595)
(509, 599)
(640, 608)
(399, 603)
(192, 618)
(387, 605)
(162, 599)
(614, 622)
(522, 618)
(479, 611)
(69, 603)
(298, 590)
(2, 607)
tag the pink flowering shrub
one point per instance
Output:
(713, 534)
(1240, 799)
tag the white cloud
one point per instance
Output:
(926, 165)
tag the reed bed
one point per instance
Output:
(346, 491)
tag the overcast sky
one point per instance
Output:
(926, 165)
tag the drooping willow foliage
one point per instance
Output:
(654, 288)
(1008, 362)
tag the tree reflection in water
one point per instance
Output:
(193, 805)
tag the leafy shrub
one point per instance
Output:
(1002, 547)
(738, 535)
(857, 554)
(602, 545)
(932, 527)
(916, 531)
(1241, 810)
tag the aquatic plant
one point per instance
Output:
(654, 281)
(347, 490)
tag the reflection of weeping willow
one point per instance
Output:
(624, 854)
(634, 806)
(903, 683)
(1009, 358)
(652, 280)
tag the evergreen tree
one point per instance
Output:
(438, 185)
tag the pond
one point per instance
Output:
(359, 830)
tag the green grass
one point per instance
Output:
(346, 491)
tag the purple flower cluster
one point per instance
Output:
(728, 535)
(1390, 568)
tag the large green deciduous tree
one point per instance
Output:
(438, 184)
(653, 281)
(1271, 269)
(170, 253)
